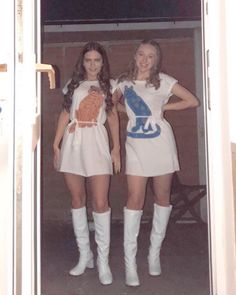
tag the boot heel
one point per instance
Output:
(90, 263)
(79, 269)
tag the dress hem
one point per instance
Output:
(86, 175)
(152, 175)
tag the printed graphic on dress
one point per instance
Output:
(88, 110)
(142, 127)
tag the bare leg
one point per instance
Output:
(162, 188)
(136, 192)
(99, 190)
(75, 184)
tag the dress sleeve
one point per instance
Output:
(113, 85)
(121, 86)
(117, 85)
(65, 89)
(168, 83)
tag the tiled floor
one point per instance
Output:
(184, 259)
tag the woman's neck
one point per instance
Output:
(143, 76)
(95, 79)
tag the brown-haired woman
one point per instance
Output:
(84, 152)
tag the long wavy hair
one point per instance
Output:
(153, 79)
(79, 75)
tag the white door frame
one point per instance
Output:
(221, 209)
(7, 149)
(20, 148)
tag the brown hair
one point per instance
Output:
(79, 75)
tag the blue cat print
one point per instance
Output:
(142, 113)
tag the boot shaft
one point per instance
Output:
(160, 220)
(161, 217)
(132, 219)
(102, 224)
(80, 227)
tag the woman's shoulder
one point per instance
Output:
(65, 87)
(167, 78)
(113, 82)
(163, 75)
(74, 86)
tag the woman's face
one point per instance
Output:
(146, 59)
(92, 63)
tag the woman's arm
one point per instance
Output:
(187, 99)
(121, 108)
(116, 100)
(113, 122)
(63, 120)
(116, 96)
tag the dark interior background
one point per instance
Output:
(61, 50)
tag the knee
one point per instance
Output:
(163, 200)
(77, 203)
(134, 202)
(77, 200)
(100, 206)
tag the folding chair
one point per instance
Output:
(184, 199)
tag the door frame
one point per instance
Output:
(220, 179)
(7, 181)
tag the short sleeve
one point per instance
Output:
(121, 86)
(65, 88)
(113, 85)
(167, 82)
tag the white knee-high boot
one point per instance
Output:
(132, 220)
(80, 225)
(102, 223)
(160, 220)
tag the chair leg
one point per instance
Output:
(189, 206)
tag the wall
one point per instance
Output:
(61, 50)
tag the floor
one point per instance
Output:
(184, 259)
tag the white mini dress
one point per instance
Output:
(85, 150)
(150, 144)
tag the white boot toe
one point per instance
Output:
(105, 275)
(83, 263)
(154, 266)
(131, 278)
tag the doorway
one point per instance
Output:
(221, 210)
(182, 58)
